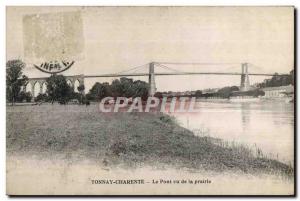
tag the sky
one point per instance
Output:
(112, 39)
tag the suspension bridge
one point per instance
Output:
(152, 72)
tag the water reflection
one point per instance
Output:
(245, 110)
(268, 125)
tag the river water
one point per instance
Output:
(267, 125)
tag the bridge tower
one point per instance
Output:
(245, 82)
(152, 85)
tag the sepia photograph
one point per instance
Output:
(150, 100)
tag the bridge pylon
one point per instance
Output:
(152, 86)
(245, 82)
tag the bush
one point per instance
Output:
(24, 96)
(41, 98)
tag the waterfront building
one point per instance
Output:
(277, 92)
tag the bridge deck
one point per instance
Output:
(179, 73)
(164, 74)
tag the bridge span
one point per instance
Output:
(244, 85)
(182, 73)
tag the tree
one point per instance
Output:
(41, 98)
(14, 79)
(99, 91)
(58, 89)
(24, 96)
(116, 88)
(198, 93)
(140, 89)
(278, 80)
(123, 87)
(128, 88)
(81, 88)
(225, 92)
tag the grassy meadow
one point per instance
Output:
(127, 140)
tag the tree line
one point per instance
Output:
(276, 80)
(58, 90)
(123, 87)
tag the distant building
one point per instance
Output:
(277, 92)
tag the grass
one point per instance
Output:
(126, 139)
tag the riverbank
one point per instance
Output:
(127, 140)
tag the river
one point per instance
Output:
(267, 125)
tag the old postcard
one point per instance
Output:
(150, 100)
